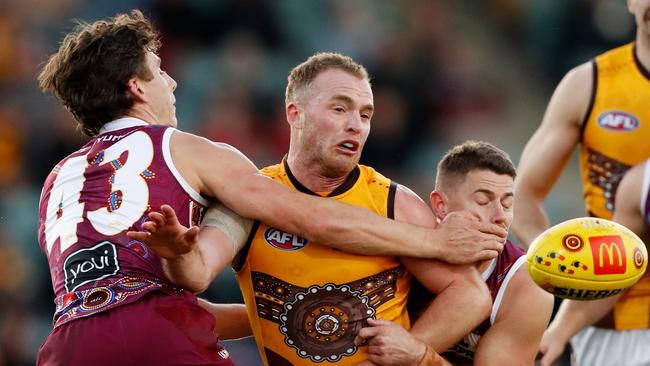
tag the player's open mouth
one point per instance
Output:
(349, 146)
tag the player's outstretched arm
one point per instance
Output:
(523, 314)
(548, 151)
(191, 258)
(235, 181)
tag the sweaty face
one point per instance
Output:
(159, 92)
(487, 195)
(336, 112)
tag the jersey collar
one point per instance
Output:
(344, 187)
(122, 123)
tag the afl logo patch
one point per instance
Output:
(618, 121)
(284, 241)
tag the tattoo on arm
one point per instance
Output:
(234, 226)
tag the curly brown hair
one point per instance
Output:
(307, 71)
(89, 73)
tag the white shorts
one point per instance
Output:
(607, 347)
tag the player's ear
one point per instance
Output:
(294, 115)
(439, 202)
(134, 87)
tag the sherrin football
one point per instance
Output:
(586, 258)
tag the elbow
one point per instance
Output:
(199, 285)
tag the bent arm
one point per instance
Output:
(192, 258)
(462, 300)
(223, 233)
(548, 151)
(235, 181)
(519, 325)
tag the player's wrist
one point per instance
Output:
(431, 358)
(432, 239)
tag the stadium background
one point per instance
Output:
(443, 72)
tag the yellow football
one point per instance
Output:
(586, 258)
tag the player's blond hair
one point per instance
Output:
(303, 74)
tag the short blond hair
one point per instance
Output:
(307, 71)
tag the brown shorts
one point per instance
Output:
(157, 329)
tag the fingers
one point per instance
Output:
(486, 255)
(137, 235)
(365, 334)
(493, 229)
(379, 322)
(491, 244)
(191, 235)
(548, 359)
(170, 214)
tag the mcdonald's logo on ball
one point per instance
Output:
(586, 258)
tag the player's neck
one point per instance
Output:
(310, 176)
(643, 48)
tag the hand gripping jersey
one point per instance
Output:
(616, 130)
(306, 302)
(88, 203)
(496, 276)
(632, 311)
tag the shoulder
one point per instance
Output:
(523, 297)
(409, 207)
(614, 58)
(184, 143)
(580, 77)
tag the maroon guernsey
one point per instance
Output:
(497, 277)
(88, 203)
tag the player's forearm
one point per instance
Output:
(457, 310)
(329, 222)
(360, 231)
(573, 315)
(188, 271)
(231, 319)
(433, 358)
